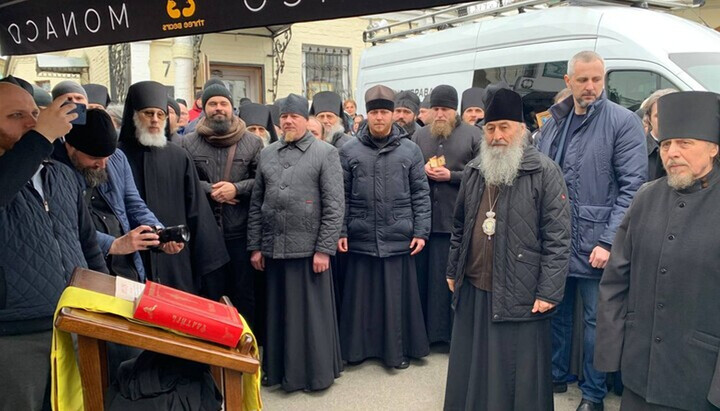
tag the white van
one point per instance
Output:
(644, 51)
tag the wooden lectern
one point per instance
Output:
(95, 329)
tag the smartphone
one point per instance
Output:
(81, 111)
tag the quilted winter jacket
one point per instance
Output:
(41, 240)
(297, 203)
(532, 242)
(121, 195)
(387, 199)
(605, 164)
(210, 164)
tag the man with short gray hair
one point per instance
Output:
(601, 149)
(650, 118)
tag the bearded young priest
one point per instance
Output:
(508, 261)
(166, 179)
(659, 295)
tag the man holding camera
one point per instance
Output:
(111, 196)
(168, 182)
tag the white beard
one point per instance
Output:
(500, 164)
(147, 138)
(337, 128)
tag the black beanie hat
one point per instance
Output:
(97, 137)
(408, 100)
(492, 89)
(689, 114)
(426, 102)
(505, 105)
(42, 98)
(212, 81)
(215, 90)
(67, 86)
(444, 96)
(294, 104)
(379, 98)
(181, 101)
(472, 97)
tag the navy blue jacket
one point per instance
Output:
(604, 166)
(42, 240)
(122, 196)
(387, 197)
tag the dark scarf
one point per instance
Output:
(237, 129)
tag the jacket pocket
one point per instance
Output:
(591, 225)
(706, 341)
(527, 270)
(3, 289)
(202, 165)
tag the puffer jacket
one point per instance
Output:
(339, 139)
(532, 241)
(297, 203)
(42, 239)
(387, 199)
(210, 164)
(604, 166)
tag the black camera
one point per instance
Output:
(178, 233)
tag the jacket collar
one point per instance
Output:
(302, 144)
(396, 134)
(709, 180)
(652, 144)
(563, 108)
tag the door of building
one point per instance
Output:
(242, 81)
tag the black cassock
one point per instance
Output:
(168, 182)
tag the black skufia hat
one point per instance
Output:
(689, 114)
(254, 114)
(175, 106)
(18, 82)
(505, 105)
(97, 94)
(379, 98)
(294, 104)
(327, 102)
(426, 102)
(42, 98)
(472, 97)
(97, 137)
(275, 113)
(408, 100)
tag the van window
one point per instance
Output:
(536, 83)
(630, 88)
(703, 67)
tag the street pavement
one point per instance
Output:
(370, 386)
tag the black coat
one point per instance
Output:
(461, 147)
(297, 203)
(339, 139)
(532, 242)
(168, 182)
(657, 317)
(386, 194)
(210, 162)
(655, 166)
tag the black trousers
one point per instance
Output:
(240, 280)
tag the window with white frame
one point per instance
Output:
(326, 69)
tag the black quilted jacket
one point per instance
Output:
(298, 202)
(41, 241)
(532, 242)
(210, 164)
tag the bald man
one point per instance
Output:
(46, 232)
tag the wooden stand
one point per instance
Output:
(95, 329)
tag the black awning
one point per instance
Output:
(38, 26)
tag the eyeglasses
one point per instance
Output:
(149, 114)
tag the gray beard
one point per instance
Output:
(93, 177)
(680, 182)
(147, 138)
(329, 134)
(500, 164)
(410, 127)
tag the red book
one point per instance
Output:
(189, 314)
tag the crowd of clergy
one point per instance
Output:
(341, 237)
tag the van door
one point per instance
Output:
(630, 82)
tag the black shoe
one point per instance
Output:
(559, 387)
(264, 380)
(403, 365)
(587, 405)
